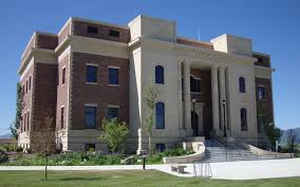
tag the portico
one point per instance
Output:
(212, 101)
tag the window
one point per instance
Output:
(244, 126)
(91, 73)
(90, 117)
(92, 30)
(29, 83)
(113, 76)
(90, 147)
(242, 85)
(27, 128)
(63, 76)
(112, 112)
(261, 92)
(159, 75)
(114, 33)
(160, 115)
(26, 87)
(62, 117)
(195, 84)
(160, 147)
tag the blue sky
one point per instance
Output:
(274, 27)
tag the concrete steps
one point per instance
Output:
(217, 152)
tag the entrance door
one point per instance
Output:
(195, 126)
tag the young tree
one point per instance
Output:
(266, 125)
(114, 134)
(291, 140)
(150, 99)
(19, 108)
(43, 139)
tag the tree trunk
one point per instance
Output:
(150, 145)
(46, 171)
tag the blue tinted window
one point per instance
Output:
(91, 73)
(112, 113)
(244, 126)
(90, 117)
(159, 75)
(160, 147)
(160, 115)
(242, 84)
(113, 75)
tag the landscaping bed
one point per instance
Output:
(87, 158)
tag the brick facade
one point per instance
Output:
(100, 93)
(81, 29)
(265, 105)
(66, 58)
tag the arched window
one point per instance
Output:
(244, 126)
(160, 115)
(159, 74)
(242, 84)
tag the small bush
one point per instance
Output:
(3, 156)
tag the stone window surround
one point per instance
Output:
(113, 67)
(95, 65)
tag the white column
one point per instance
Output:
(187, 95)
(222, 96)
(180, 90)
(215, 97)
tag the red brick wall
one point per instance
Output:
(265, 105)
(193, 43)
(101, 93)
(27, 97)
(64, 34)
(62, 90)
(46, 41)
(262, 60)
(204, 96)
(45, 92)
(81, 29)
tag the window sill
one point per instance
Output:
(113, 85)
(91, 83)
(197, 93)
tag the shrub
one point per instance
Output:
(114, 134)
(3, 156)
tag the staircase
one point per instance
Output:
(217, 152)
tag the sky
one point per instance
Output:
(274, 27)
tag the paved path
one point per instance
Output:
(225, 170)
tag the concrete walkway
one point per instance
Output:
(225, 170)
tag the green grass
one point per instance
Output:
(127, 179)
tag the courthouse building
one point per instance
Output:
(90, 70)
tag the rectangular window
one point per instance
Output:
(113, 76)
(63, 76)
(90, 147)
(26, 87)
(261, 93)
(160, 147)
(90, 117)
(62, 117)
(92, 30)
(114, 33)
(195, 84)
(29, 83)
(91, 73)
(27, 128)
(112, 112)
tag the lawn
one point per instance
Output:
(126, 178)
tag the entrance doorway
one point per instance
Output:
(195, 123)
